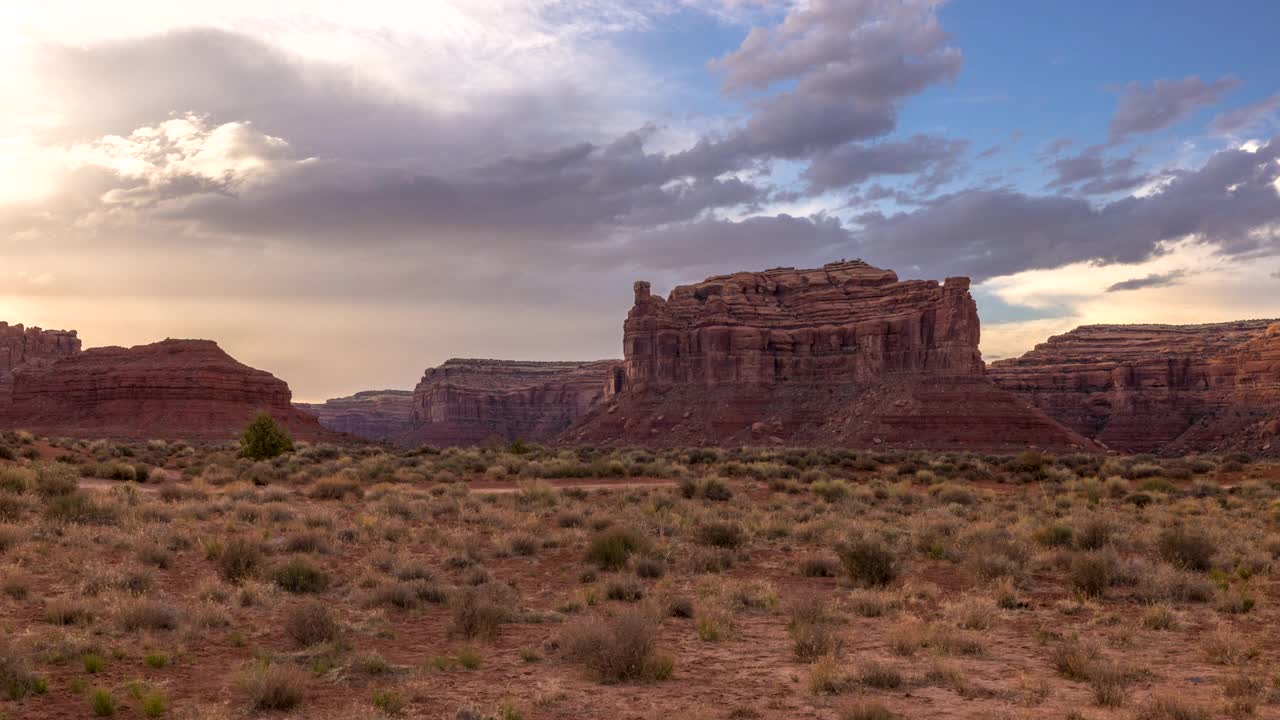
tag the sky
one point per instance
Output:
(345, 194)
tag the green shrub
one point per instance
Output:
(299, 576)
(16, 479)
(720, 534)
(155, 704)
(103, 704)
(55, 479)
(264, 438)
(389, 701)
(1189, 548)
(78, 507)
(611, 548)
(869, 561)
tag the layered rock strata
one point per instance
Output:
(845, 355)
(471, 401)
(373, 414)
(187, 389)
(1168, 389)
(30, 347)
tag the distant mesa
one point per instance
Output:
(1168, 389)
(181, 389)
(473, 401)
(846, 355)
(378, 415)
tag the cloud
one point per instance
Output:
(1057, 145)
(1165, 102)
(1231, 201)
(1149, 281)
(843, 68)
(1246, 117)
(1098, 174)
(852, 164)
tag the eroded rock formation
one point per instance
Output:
(1158, 388)
(30, 347)
(187, 389)
(845, 354)
(468, 401)
(373, 414)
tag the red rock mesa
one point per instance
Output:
(467, 401)
(842, 355)
(1158, 388)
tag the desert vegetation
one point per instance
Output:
(162, 579)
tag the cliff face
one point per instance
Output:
(30, 347)
(187, 389)
(1158, 388)
(844, 355)
(373, 415)
(466, 401)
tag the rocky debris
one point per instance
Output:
(471, 401)
(373, 414)
(1168, 389)
(188, 389)
(841, 355)
(30, 347)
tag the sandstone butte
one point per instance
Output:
(30, 347)
(378, 415)
(472, 401)
(180, 389)
(843, 355)
(1167, 389)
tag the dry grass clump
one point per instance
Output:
(1170, 708)
(974, 612)
(17, 680)
(621, 648)
(814, 630)
(1091, 572)
(1225, 646)
(867, 710)
(611, 548)
(297, 575)
(479, 612)
(268, 687)
(912, 634)
(311, 623)
(869, 561)
(239, 559)
(146, 614)
(1188, 547)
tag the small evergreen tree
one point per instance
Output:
(264, 438)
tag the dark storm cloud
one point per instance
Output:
(1098, 175)
(1245, 118)
(989, 233)
(933, 158)
(1142, 109)
(1150, 281)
